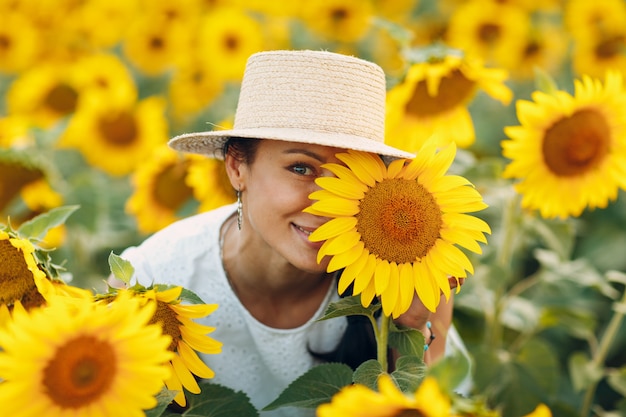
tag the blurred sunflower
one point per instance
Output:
(39, 197)
(155, 45)
(227, 37)
(395, 229)
(15, 132)
(432, 99)
(187, 337)
(338, 20)
(44, 94)
(192, 88)
(569, 152)
(116, 138)
(20, 42)
(587, 19)
(118, 15)
(17, 169)
(210, 184)
(160, 189)
(82, 358)
(597, 54)
(489, 30)
(359, 401)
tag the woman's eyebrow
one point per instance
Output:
(305, 152)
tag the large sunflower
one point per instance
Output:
(569, 152)
(187, 337)
(432, 99)
(82, 358)
(359, 401)
(395, 229)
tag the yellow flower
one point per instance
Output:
(17, 169)
(20, 273)
(116, 138)
(227, 37)
(82, 358)
(210, 184)
(187, 337)
(338, 20)
(569, 152)
(359, 401)
(44, 94)
(489, 30)
(15, 133)
(19, 42)
(155, 45)
(160, 191)
(599, 53)
(541, 411)
(586, 19)
(432, 100)
(193, 87)
(395, 229)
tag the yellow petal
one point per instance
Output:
(186, 378)
(332, 228)
(193, 362)
(344, 259)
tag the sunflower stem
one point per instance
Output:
(382, 336)
(600, 355)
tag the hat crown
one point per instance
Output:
(312, 90)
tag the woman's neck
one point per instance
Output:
(272, 290)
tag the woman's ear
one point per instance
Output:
(235, 169)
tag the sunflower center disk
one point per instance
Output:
(80, 372)
(577, 144)
(410, 413)
(454, 90)
(399, 221)
(16, 280)
(166, 317)
(170, 189)
(120, 129)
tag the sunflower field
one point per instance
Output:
(531, 93)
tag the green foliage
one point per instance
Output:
(215, 401)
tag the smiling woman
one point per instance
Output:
(297, 111)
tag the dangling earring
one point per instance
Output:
(239, 210)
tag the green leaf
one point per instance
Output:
(38, 226)
(583, 371)
(164, 398)
(315, 387)
(409, 372)
(617, 380)
(349, 306)
(407, 341)
(121, 268)
(367, 374)
(191, 297)
(544, 81)
(450, 371)
(216, 401)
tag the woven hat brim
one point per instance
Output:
(211, 143)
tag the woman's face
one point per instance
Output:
(275, 190)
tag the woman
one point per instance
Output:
(296, 111)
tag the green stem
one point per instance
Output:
(600, 355)
(382, 337)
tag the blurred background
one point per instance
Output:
(91, 90)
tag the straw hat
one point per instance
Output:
(305, 96)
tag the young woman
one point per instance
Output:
(296, 111)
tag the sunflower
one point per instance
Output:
(160, 191)
(545, 47)
(186, 337)
(15, 132)
(338, 20)
(44, 94)
(116, 138)
(19, 42)
(489, 30)
(395, 229)
(82, 358)
(193, 87)
(210, 184)
(20, 275)
(599, 53)
(359, 401)
(569, 152)
(227, 37)
(432, 99)
(586, 19)
(155, 45)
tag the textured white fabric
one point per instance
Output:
(256, 359)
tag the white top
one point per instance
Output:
(256, 359)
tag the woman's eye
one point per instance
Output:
(302, 169)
